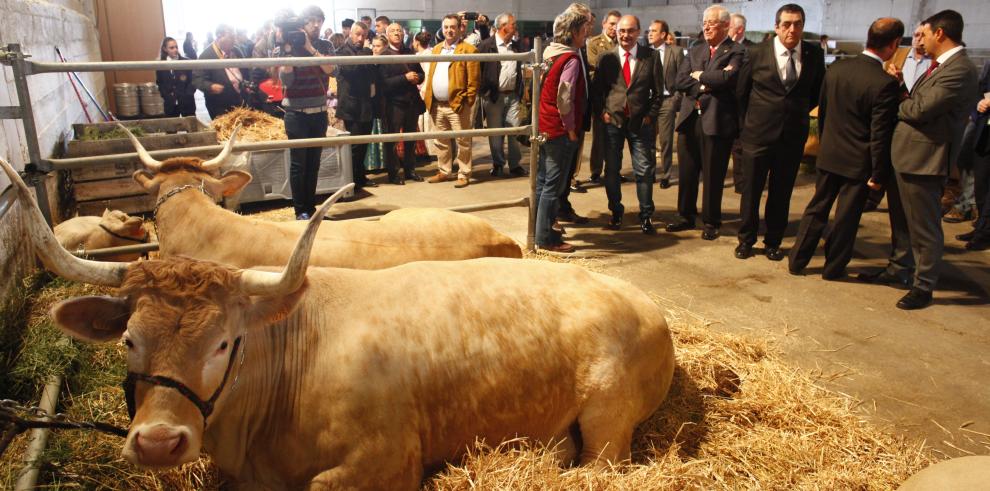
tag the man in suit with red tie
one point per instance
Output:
(856, 117)
(779, 84)
(928, 133)
(708, 122)
(627, 95)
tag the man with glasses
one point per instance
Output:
(780, 84)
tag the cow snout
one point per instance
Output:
(161, 445)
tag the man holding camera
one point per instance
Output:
(305, 104)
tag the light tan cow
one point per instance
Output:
(115, 228)
(306, 379)
(190, 224)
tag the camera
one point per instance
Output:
(292, 33)
(248, 86)
(469, 15)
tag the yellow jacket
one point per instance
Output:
(464, 79)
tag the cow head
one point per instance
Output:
(183, 322)
(158, 177)
(123, 224)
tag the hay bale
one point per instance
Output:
(256, 126)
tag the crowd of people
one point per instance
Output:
(889, 120)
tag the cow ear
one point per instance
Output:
(147, 181)
(234, 181)
(269, 310)
(93, 319)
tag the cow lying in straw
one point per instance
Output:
(302, 378)
(115, 228)
(190, 224)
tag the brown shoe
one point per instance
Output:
(956, 216)
(439, 177)
(462, 182)
(562, 247)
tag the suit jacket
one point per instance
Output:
(354, 102)
(715, 91)
(397, 89)
(490, 70)
(673, 56)
(463, 78)
(929, 131)
(596, 46)
(857, 112)
(983, 86)
(768, 111)
(203, 79)
(643, 97)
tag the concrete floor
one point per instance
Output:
(923, 374)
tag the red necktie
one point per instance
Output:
(931, 68)
(626, 72)
(711, 51)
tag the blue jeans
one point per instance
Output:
(503, 113)
(644, 162)
(555, 158)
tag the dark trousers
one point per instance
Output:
(776, 165)
(358, 151)
(644, 163)
(916, 205)
(597, 157)
(397, 118)
(565, 203)
(849, 195)
(701, 156)
(981, 173)
(219, 104)
(304, 166)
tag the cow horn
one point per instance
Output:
(53, 255)
(265, 283)
(149, 162)
(216, 161)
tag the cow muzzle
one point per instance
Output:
(160, 445)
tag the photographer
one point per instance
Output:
(305, 104)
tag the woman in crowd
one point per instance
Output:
(175, 85)
(189, 46)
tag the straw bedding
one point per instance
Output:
(256, 126)
(737, 417)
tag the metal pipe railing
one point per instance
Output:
(535, 140)
(76, 162)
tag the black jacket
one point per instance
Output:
(177, 90)
(719, 107)
(203, 79)
(490, 70)
(857, 112)
(397, 89)
(354, 83)
(768, 111)
(643, 97)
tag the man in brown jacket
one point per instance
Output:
(451, 89)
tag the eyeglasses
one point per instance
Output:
(712, 23)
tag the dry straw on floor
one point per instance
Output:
(256, 126)
(737, 417)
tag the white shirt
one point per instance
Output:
(914, 67)
(507, 73)
(441, 80)
(783, 57)
(632, 59)
(872, 55)
(662, 51)
(944, 57)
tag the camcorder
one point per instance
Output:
(292, 34)
(469, 15)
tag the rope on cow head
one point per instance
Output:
(142, 240)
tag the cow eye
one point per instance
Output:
(128, 343)
(223, 346)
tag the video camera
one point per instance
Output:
(292, 33)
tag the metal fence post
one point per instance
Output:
(535, 140)
(15, 56)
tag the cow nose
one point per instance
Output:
(160, 445)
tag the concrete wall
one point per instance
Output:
(38, 26)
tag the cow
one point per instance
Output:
(189, 223)
(115, 228)
(304, 378)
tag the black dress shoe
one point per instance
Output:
(367, 184)
(709, 233)
(680, 226)
(978, 244)
(881, 277)
(773, 253)
(577, 188)
(414, 177)
(966, 237)
(398, 181)
(870, 206)
(496, 172)
(571, 216)
(596, 178)
(743, 251)
(623, 178)
(915, 299)
(664, 183)
(518, 171)
(614, 223)
(828, 276)
(647, 226)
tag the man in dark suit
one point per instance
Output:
(737, 32)
(501, 92)
(627, 95)
(355, 105)
(856, 116)
(928, 132)
(779, 84)
(221, 86)
(670, 58)
(708, 122)
(403, 106)
(978, 239)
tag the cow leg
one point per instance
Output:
(394, 464)
(606, 432)
(565, 446)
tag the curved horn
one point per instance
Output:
(53, 255)
(152, 164)
(264, 283)
(216, 161)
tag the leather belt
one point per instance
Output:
(310, 110)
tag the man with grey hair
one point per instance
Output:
(737, 29)
(221, 86)
(567, 213)
(501, 92)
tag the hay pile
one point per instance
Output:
(737, 417)
(256, 126)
